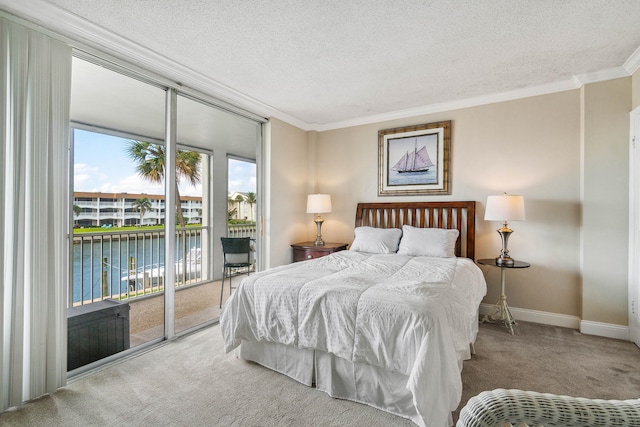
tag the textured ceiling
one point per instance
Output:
(324, 62)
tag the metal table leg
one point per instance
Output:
(500, 310)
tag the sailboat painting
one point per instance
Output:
(414, 160)
(414, 165)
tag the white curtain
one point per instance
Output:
(35, 75)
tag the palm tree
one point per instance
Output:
(251, 200)
(151, 166)
(239, 199)
(142, 205)
(77, 210)
(231, 213)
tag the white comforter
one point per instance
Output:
(413, 315)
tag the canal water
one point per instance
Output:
(115, 261)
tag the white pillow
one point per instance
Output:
(436, 242)
(376, 240)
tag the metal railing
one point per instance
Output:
(241, 230)
(127, 264)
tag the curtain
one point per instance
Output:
(35, 78)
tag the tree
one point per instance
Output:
(151, 166)
(251, 200)
(142, 205)
(231, 213)
(239, 199)
(77, 210)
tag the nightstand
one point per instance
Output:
(500, 310)
(307, 250)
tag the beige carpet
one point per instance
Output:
(191, 382)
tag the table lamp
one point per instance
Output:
(317, 204)
(504, 208)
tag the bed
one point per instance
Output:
(386, 323)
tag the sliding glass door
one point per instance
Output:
(211, 134)
(115, 294)
(150, 204)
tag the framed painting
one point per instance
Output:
(414, 160)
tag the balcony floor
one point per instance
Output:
(194, 306)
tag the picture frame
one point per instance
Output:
(414, 160)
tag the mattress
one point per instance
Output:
(414, 316)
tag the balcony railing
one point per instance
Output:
(241, 230)
(128, 264)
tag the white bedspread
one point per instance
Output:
(414, 315)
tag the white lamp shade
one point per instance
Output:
(504, 208)
(318, 203)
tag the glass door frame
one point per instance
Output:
(172, 91)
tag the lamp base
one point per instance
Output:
(505, 260)
(319, 241)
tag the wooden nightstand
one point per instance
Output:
(307, 250)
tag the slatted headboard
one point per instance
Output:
(460, 215)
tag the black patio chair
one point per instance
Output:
(237, 254)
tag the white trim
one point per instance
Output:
(456, 105)
(576, 82)
(84, 35)
(632, 64)
(634, 232)
(535, 316)
(608, 330)
(69, 25)
(601, 76)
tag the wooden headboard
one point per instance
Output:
(460, 215)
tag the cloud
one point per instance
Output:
(242, 176)
(84, 176)
(132, 184)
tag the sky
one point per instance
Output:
(101, 164)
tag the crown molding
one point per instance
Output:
(601, 76)
(456, 105)
(86, 36)
(632, 64)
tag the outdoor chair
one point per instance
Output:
(237, 254)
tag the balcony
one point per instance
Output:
(128, 266)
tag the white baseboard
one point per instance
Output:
(543, 317)
(608, 330)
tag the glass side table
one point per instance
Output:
(500, 310)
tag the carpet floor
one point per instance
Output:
(192, 382)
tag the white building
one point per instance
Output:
(119, 209)
(243, 210)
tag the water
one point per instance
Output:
(88, 262)
(413, 178)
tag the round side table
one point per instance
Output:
(500, 310)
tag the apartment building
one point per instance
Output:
(120, 209)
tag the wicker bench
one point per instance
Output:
(509, 408)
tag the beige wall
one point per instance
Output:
(605, 201)
(635, 90)
(286, 186)
(535, 147)
(529, 147)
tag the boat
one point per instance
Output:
(154, 275)
(417, 161)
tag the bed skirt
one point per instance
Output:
(377, 387)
